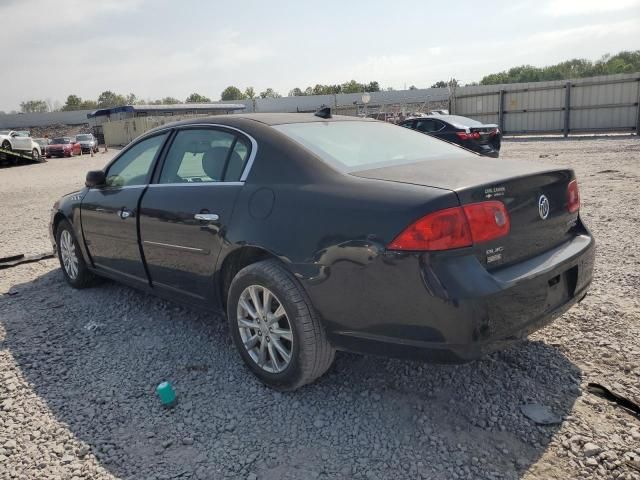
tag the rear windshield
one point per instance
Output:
(352, 146)
(463, 121)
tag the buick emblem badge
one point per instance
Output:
(543, 207)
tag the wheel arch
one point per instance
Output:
(58, 217)
(235, 261)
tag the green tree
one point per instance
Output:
(622, 62)
(439, 84)
(352, 87)
(270, 93)
(372, 87)
(170, 101)
(74, 102)
(131, 99)
(231, 93)
(109, 99)
(413, 87)
(296, 92)
(249, 92)
(31, 106)
(197, 98)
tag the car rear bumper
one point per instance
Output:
(449, 308)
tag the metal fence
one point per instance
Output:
(588, 105)
(597, 104)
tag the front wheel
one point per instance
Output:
(74, 268)
(275, 328)
(6, 145)
(35, 155)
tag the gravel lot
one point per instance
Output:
(78, 370)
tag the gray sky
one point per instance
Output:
(166, 48)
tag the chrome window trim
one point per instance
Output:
(252, 155)
(245, 172)
(195, 184)
(113, 187)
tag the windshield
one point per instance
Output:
(352, 146)
(82, 138)
(58, 141)
(463, 121)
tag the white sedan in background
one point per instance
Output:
(20, 141)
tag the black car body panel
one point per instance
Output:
(484, 139)
(331, 230)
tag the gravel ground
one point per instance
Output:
(78, 370)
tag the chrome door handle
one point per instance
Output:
(207, 217)
(124, 213)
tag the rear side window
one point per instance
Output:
(361, 145)
(204, 155)
(428, 125)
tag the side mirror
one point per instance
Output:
(95, 178)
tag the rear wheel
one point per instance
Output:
(275, 328)
(74, 268)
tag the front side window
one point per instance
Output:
(204, 155)
(360, 145)
(134, 165)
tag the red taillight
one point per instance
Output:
(468, 136)
(573, 196)
(487, 220)
(440, 230)
(455, 227)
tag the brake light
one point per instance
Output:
(573, 196)
(468, 136)
(487, 220)
(441, 230)
(455, 227)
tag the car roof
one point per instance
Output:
(268, 118)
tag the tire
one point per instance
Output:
(35, 155)
(6, 145)
(80, 277)
(310, 354)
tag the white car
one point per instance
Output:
(20, 141)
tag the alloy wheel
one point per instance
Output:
(265, 329)
(68, 254)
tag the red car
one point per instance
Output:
(63, 147)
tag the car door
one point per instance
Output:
(20, 142)
(184, 214)
(109, 213)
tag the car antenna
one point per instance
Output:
(323, 112)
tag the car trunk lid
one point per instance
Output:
(486, 133)
(535, 198)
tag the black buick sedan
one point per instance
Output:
(318, 234)
(485, 139)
